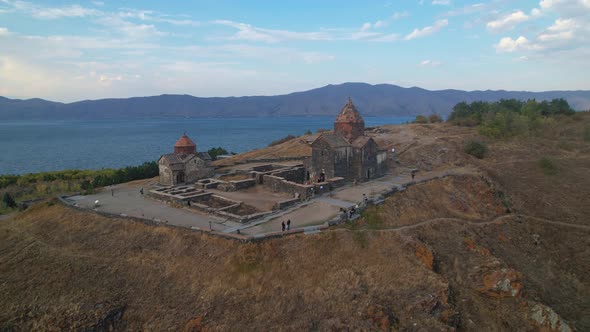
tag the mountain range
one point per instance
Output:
(371, 100)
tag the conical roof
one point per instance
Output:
(349, 114)
(184, 141)
(185, 145)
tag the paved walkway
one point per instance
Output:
(128, 201)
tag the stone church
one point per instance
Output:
(185, 164)
(346, 152)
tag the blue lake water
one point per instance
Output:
(37, 146)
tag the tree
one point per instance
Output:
(434, 118)
(421, 119)
(8, 200)
(214, 152)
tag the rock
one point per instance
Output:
(505, 282)
(425, 255)
(545, 319)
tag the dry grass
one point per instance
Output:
(63, 269)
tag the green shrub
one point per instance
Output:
(214, 152)
(434, 118)
(421, 119)
(548, 166)
(476, 148)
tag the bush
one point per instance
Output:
(434, 118)
(548, 166)
(421, 119)
(214, 152)
(476, 149)
(8, 201)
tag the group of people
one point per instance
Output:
(286, 226)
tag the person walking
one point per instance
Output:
(283, 225)
(288, 224)
(113, 192)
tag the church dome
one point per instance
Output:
(349, 123)
(185, 145)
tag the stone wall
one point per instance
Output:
(278, 184)
(296, 174)
(237, 185)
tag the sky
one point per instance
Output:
(73, 50)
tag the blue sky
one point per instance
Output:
(69, 51)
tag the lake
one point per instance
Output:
(38, 146)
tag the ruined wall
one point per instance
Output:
(296, 174)
(277, 184)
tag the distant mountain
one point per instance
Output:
(371, 100)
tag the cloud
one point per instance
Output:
(507, 22)
(417, 33)
(386, 38)
(566, 7)
(430, 63)
(441, 2)
(148, 15)
(4, 32)
(130, 29)
(251, 33)
(51, 13)
(508, 44)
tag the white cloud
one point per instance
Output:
(430, 63)
(51, 13)
(566, 7)
(507, 22)
(417, 33)
(441, 2)
(4, 32)
(386, 38)
(251, 33)
(508, 44)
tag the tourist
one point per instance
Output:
(288, 224)
(413, 174)
(141, 191)
(283, 225)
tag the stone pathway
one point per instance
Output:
(127, 201)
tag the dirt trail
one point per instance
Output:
(475, 223)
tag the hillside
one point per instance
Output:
(503, 247)
(373, 100)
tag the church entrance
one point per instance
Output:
(180, 177)
(368, 174)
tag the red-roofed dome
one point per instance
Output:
(185, 145)
(349, 122)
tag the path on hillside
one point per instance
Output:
(468, 222)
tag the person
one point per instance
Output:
(283, 225)
(413, 174)
(189, 202)
(288, 224)
(113, 192)
(141, 191)
(365, 199)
